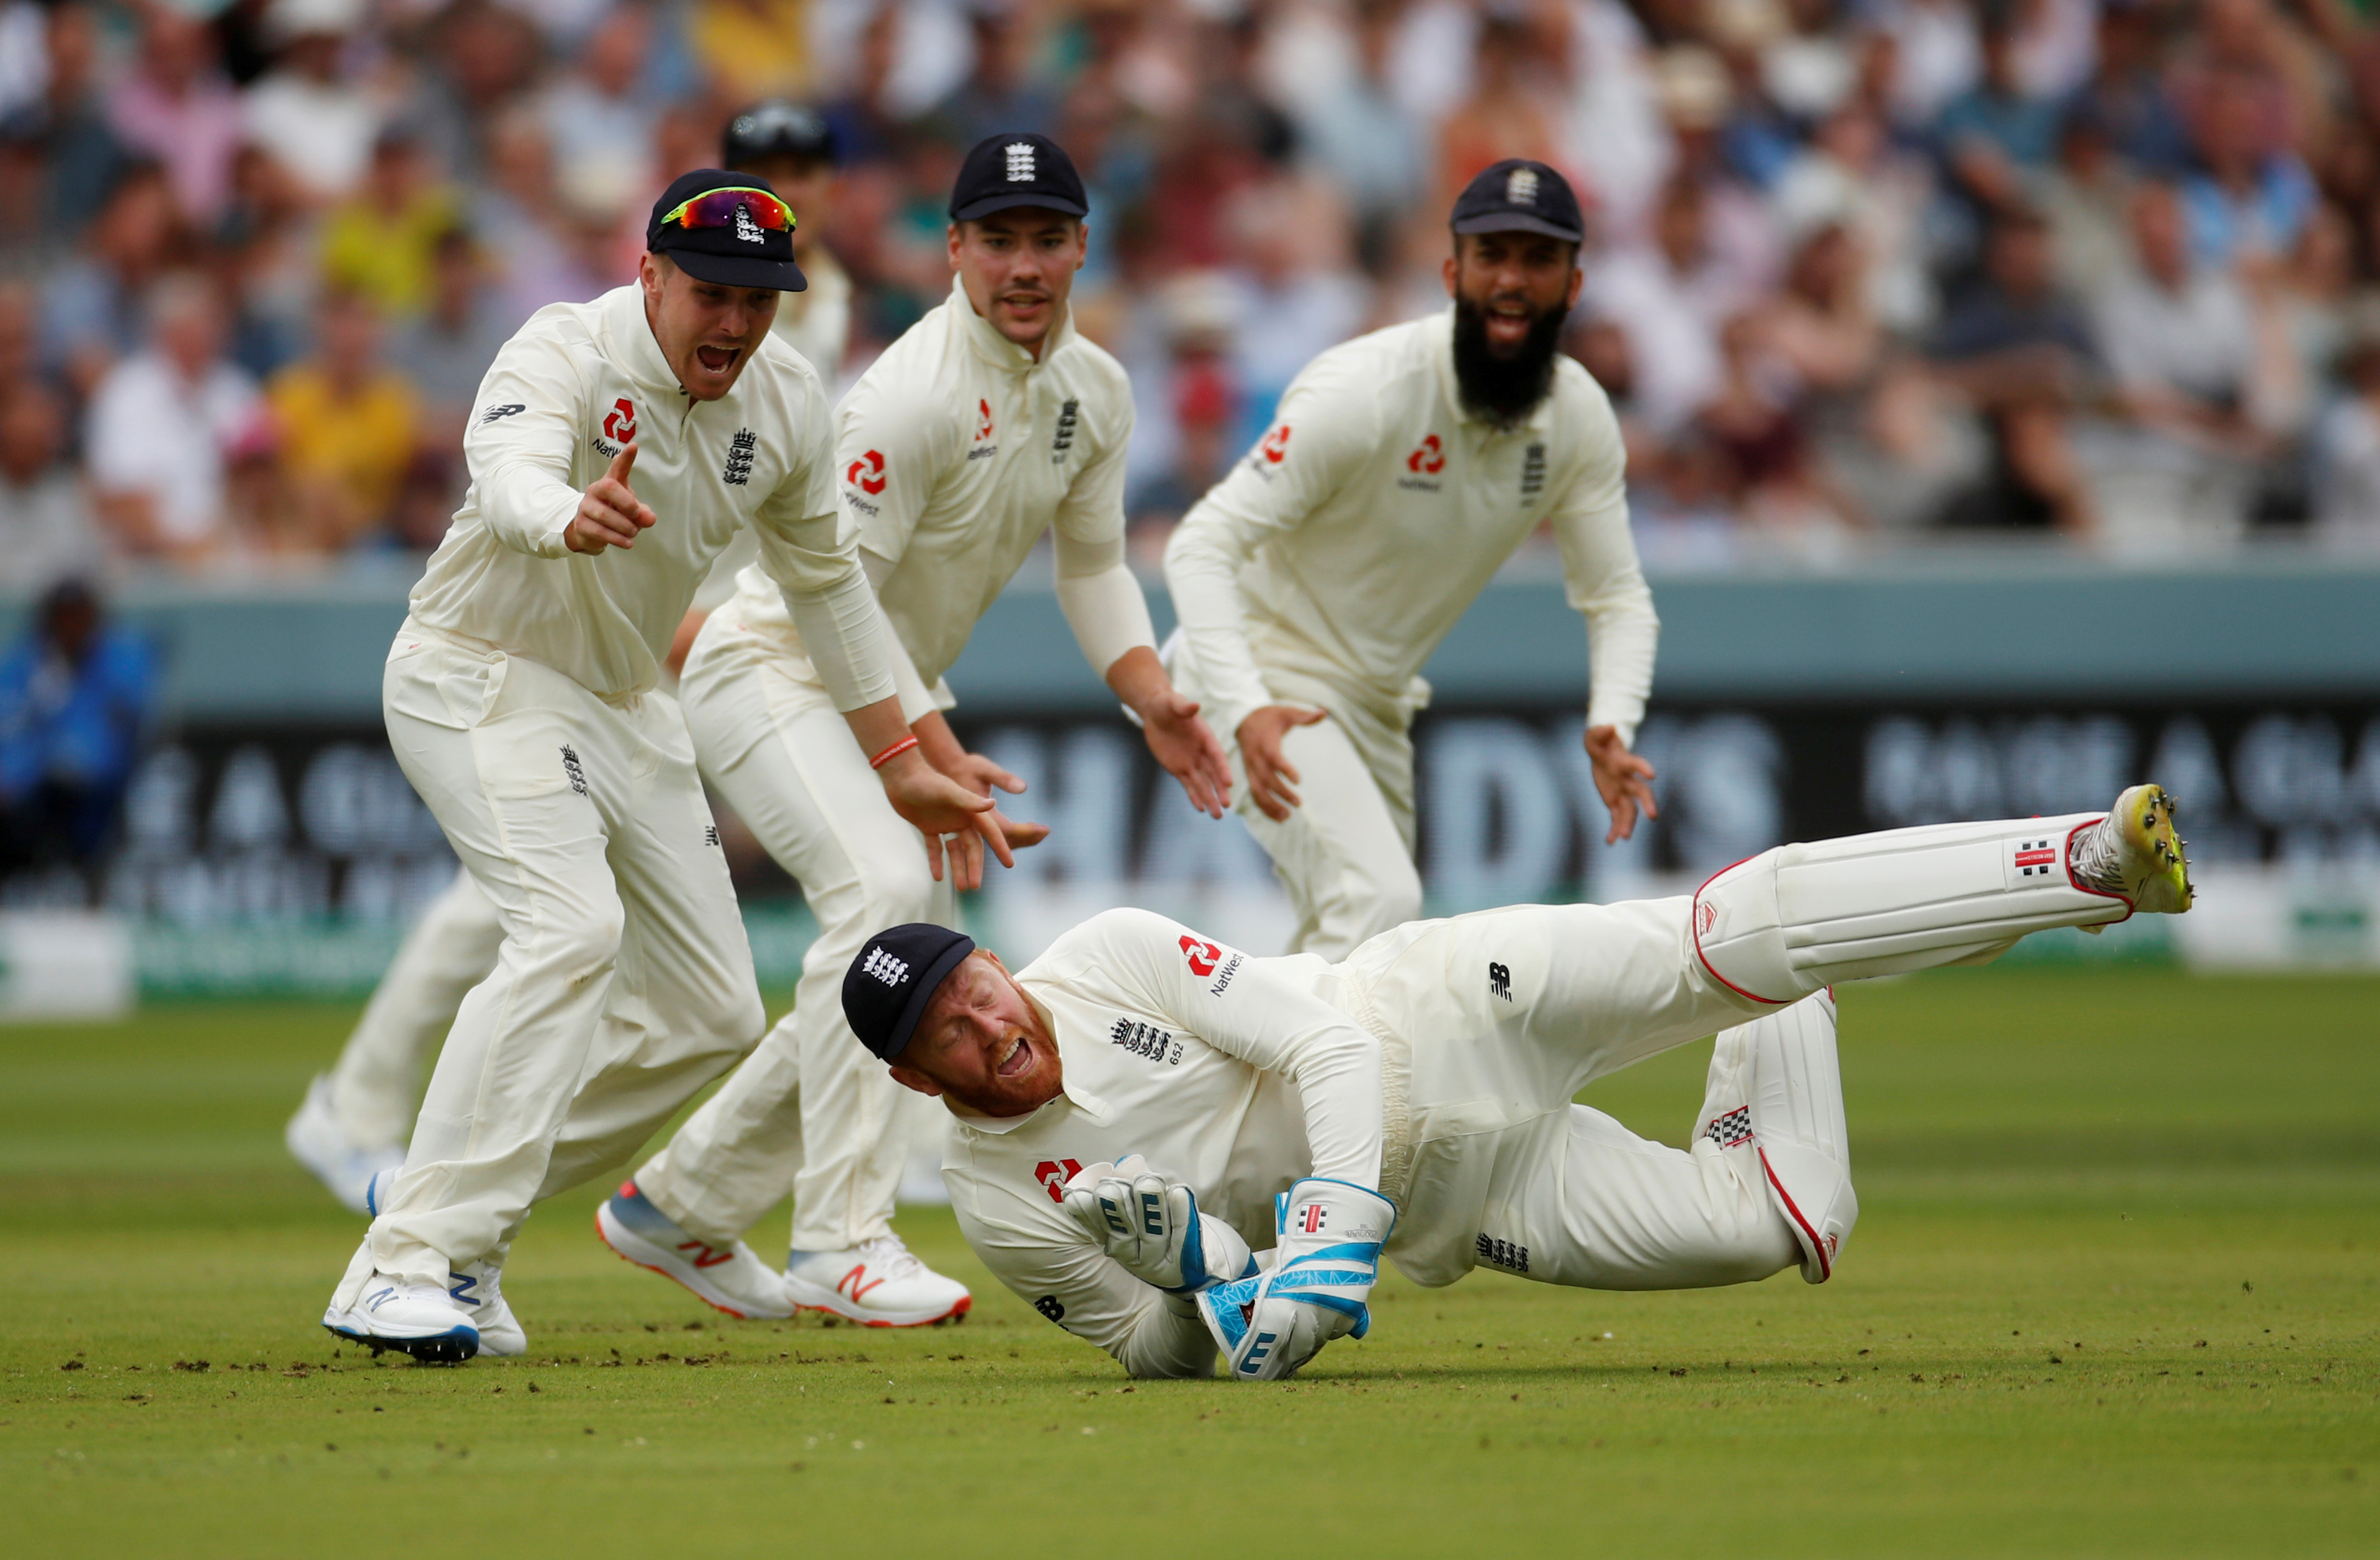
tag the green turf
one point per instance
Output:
(2114, 1291)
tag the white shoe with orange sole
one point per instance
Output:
(877, 1283)
(728, 1278)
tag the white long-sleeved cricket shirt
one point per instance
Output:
(1237, 1075)
(1364, 522)
(575, 385)
(956, 450)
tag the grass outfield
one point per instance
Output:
(2114, 1291)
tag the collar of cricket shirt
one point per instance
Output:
(1440, 330)
(997, 349)
(633, 346)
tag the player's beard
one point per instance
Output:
(1503, 389)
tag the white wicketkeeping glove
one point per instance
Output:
(1323, 1270)
(1150, 1223)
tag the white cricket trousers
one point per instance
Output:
(624, 983)
(811, 1111)
(1506, 1013)
(1345, 853)
(376, 1086)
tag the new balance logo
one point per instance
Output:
(1733, 1129)
(1048, 1306)
(572, 771)
(497, 414)
(711, 833)
(885, 967)
(1499, 980)
(461, 1289)
(1020, 162)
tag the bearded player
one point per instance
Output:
(1402, 469)
(1137, 1110)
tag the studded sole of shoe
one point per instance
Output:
(443, 1348)
(956, 1315)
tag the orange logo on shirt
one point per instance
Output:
(872, 463)
(620, 422)
(983, 428)
(1429, 460)
(1203, 956)
(1275, 445)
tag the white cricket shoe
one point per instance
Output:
(728, 1278)
(317, 1141)
(477, 1290)
(876, 1283)
(421, 1320)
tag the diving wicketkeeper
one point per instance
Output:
(1141, 1109)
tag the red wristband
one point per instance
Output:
(894, 751)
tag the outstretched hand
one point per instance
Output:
(609, 512)
(1624, 780)
(1190, 752)
(1270, 774)
(939, 806)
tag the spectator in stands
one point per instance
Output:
(305, 112)
(347, 422)
(1850, 175)
(444, 351)
(2020, 353)
(2250, 194)
(176, 108)
(749, 49)
(1998, 134)
(46, 530)
(160, 424)
(2194, 363)
(91, 306)
(998, 94)
(378, 243)
(1363, 139)
(265, 260)
(2346, 449)
(2127, 90)
(2084, 196)
(65, 129)
(599, 108)
(75, 695)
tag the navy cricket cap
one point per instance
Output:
(732, 243)
(1517, 195)
(896, 974)
(1005, 172)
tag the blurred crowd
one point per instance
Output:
(1857, 268)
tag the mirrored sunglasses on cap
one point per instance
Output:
(716, 208)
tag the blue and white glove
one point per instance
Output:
(1149, 1222)
(1323, 1271)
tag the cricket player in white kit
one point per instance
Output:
(1400, 472)
(1140, 1108)
(987, 424)
(522, 703)
(354, 1119)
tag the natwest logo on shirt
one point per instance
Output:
(620, 422)
(1053, 1174)
(1203, 956)
(867, 473)
(1429, 458)
(1275, 448)
(983, 421)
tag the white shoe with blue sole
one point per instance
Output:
(421, 1320)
